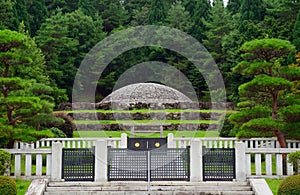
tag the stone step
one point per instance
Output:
(155, 188)
(152, 193)
(163, 188)
(142, 183)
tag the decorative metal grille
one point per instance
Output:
(170, 164)
(218, 164)
(124, 165)
(78, 164)
(165, 164)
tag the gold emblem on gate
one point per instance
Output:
(137, 144)
(157, 144)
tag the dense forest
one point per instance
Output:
(66, 30)
(42, 43)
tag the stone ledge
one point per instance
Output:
(260, 187)
(37, 187)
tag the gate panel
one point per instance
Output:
(125, 165)
(218, 164)
(170, 164)
(132, 165)
(78, 164)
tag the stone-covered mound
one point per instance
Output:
(153, 95)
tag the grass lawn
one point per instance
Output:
(142, 111)
(263, 166)
(274, 184)
(146, 121)
(33, 167)
(22, 186)
(101, 134)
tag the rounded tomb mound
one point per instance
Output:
(147, 96)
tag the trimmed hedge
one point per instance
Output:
(294, 158)
(290, 186)
(7, 186)
(4, 161)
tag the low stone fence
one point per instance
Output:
(72, 142)
(230, 142)
(272, 158)
(255, 158)
(172, 142)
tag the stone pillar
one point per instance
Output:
(171, 143)
(123, 143)
(56, 164)
(196, 161)
(240, 159)
(101, 161)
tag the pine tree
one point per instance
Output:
(53, 39)
(270, 83)
(252, 12)
(21, 99)
(190, 6)
(134, 6)
(21, 14)
(86, 7)
(178, 17)
(296, 33)
(158, 12)
(201, 15)
(234, 6)
(141, 17)
(6, 14)
(218, 26)
(38, 13)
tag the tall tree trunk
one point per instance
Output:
(282, 141)
(280, 136)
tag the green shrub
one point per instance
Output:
(294, 158)
(58, 133)
(228, 126)
(290, 186)
(4, 161)
(68, 127)
(7, 186)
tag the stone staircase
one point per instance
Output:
(141, 188)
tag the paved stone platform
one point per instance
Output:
(141, 188)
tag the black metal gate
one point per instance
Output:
(219, 164)
(78, 164)
(136, 163)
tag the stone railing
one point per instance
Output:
(73, 142)
(32, 159)
(271, 158)
(172, 142)
(230, 142)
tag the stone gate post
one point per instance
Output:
(196, 161)
(101, 161)
(56, 164)
(240, 159)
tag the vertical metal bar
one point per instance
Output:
(148, 168)
(149, 172)
(63, 164)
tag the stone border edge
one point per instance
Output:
(37, 187)
(260, 187)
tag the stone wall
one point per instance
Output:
(146, 115)
(117, 127)
(141, 105)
